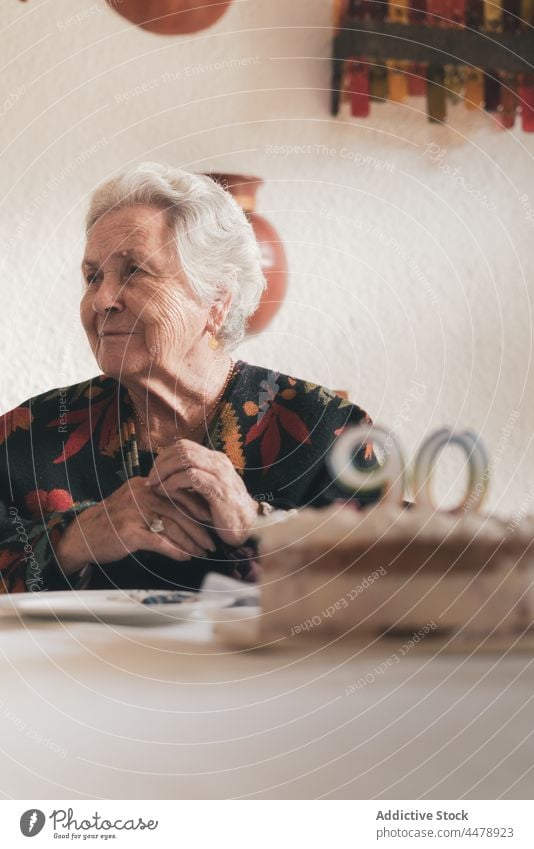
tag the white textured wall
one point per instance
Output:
(404, 270)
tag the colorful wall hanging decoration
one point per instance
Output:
(478, 51)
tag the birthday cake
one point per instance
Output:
(394, 569)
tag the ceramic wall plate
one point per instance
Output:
(171, 17)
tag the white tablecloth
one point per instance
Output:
(93, 711)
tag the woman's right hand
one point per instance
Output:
(119, 525)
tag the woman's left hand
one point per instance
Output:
(187, 469)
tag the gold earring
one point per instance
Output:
(213, 342)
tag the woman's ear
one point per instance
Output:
(217, 314)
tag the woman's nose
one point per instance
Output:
(108, 296)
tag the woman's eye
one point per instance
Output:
(91, 278)
(133, 269)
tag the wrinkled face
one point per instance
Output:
(138, 310)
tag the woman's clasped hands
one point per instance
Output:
(192, 495)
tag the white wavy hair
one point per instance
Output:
(215, 243)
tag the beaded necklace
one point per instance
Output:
(130, 436)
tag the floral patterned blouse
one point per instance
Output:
(65, 450)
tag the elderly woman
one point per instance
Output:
(157, 471)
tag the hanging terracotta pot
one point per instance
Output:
(273, 262)
(171, 17)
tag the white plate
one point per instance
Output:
(121, 607)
